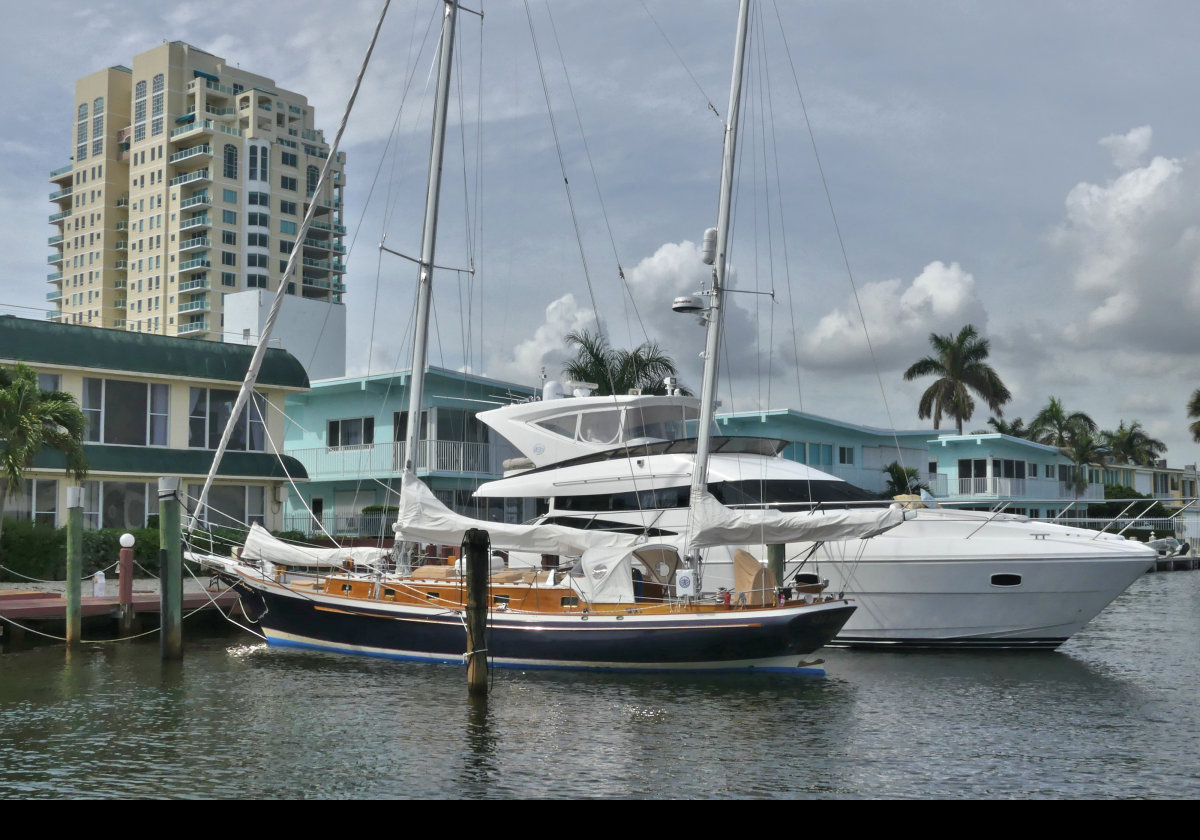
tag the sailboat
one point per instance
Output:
(619, 601)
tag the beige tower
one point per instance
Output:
(189, 181)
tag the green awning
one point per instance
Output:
(204, 75)
(155, 461)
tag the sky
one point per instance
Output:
(1029, 168)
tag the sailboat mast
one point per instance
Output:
(716, 300)
(416, 384)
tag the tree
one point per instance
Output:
(1131, 445)
(1193, 409)
(616, 371)
(1054, 426)
(1016, 428)
(30, 420)
(961, 366)
(1084, 450)
(902, 481)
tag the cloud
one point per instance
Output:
(941, 299)
(546, 347)
(1127, 149)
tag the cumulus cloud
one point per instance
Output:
(545, 348)
(942, 299)
(1127, 149)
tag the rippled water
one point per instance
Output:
(1112, 714)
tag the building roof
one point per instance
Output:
(816, 418)
(149, 460)
(992, 436)
(68, 345)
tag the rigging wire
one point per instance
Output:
(682, 63)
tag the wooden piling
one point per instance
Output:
(74, 566)
(475, 557)
(170, 570)
(126, 616)
(775, 558)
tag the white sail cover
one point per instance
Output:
(714, 524)
(605, 576)
(260, 546)
(422, 518)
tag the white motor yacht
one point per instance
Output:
(942, 578)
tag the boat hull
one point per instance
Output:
(771, 639)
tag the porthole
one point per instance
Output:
(1006, 580)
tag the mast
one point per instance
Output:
(416, 384)
(716, 299)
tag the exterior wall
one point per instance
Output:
(347, 477)
(311, 330)
(165, 228)
(856, 454)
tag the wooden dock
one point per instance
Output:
(41, 610)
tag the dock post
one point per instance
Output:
(126, 617)
(74, 566)
(775, 557)
(475, 555)
(170, 570)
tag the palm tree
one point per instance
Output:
(1193, 408)
(1131, 445)
(961, 366)
(1016, 428)
(32, 419)
(902, 481)
(616, 371)
(1054, 426)
(1084, 450)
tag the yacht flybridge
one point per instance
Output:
(941, 578)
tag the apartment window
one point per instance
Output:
(314, 176)
(845, 455)
(288, 228)
(50, 381)
(125, 413)
(260, 199)
(229, 237)
(285, 247)
(37, 501)
(210, 410)
(252, 168)
(287, 183)
(1050, 471)
(115, 504)
(288, 159)
(229, 217)
(256, 281)
(1033, 470)
(261, 240)
(231, 161)
(258, 220)
(820, 454)
(229, 196)
(228, 278)
(256, 260)
(287, 207)
(228, 258)
(230, 504)
(359, 431)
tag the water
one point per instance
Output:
(1112, 714)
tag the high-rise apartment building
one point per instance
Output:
(189, 180)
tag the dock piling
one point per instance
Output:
(475, 557)
(74, 613)
(170, 568)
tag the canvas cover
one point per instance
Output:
(261, 546)
(422, 518)
(715, 524)
(605, 576)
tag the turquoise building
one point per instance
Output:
(349, 433)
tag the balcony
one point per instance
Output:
(55, 240)
(193, 285)
(58, 217)
(195, 306)
(119, 324)
(204, 125)
(1032, 489)
(121, 265)
(55, 295)
(198, 262)
(190, 177)
(58, 195)
(197, 242)
(201, 200)
(55, 277)
(121, 246)
(387, 459)
(203, 150)
(195, 84)
(196, 221)
(54, 258)
(122, 225)
(194, 327)
(122, 203)
(54, 315)
(119, 303)
(118, 284)
(62, 173)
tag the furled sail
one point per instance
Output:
(715, 524)
(260, 546)
(422, 518)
